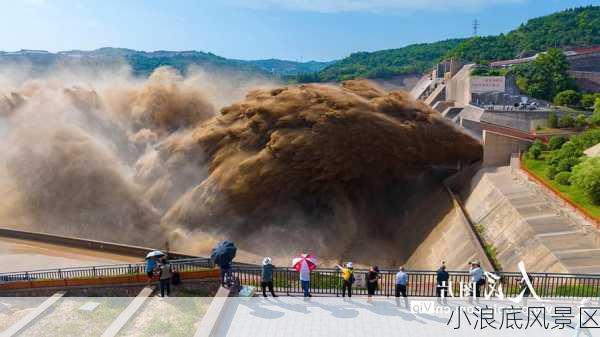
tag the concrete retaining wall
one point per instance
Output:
(506, 229)
(109, 247)
(452, 241)
(203, 287)
(498, 148)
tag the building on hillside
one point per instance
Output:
(584, 62)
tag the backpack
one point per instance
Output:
(348, 275)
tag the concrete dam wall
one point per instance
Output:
(522, 224)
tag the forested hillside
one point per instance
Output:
(569, 28)
(572, 27)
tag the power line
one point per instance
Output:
(475, 27)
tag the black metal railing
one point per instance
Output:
(423, 283)
(326, 281)
(101, 271)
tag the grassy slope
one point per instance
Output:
(538, 167)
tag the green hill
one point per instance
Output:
(143, 63)
(415, 58)
(568, 28)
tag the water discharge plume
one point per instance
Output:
(337, 170)
(70, 145)
(314, 166)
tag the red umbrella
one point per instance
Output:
(310, 260)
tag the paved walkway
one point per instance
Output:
(291, 317)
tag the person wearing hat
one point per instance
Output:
(372, 280)
(267, 276)
(477, 277)
(347, 278)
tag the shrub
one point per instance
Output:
(552, 120)
(594, 119)
(535, 150)
(566, 121)
(551, 172)
(563, 178)
(556, 142)
(567, 98)
(564, 159)
(586, 176)
(580, 121)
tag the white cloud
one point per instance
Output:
(331, 6)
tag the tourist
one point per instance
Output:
(305, 278)
(150, 268)
(372, 280)
(401, 282)
(347, 278)
(165, 273)
(267, 276)
(442, 278)
(477, 277)
(226, 275)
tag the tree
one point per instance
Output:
(586, 176)
(546, 76)
(569, 98)
(588, 100)
(597, 105)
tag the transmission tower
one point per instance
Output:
(475, 27)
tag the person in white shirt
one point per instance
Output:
(477, 277)
(305, 278)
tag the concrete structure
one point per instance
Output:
(458, 88)
(421, 87)
(498, 147)
(118, 324)
(452, 241)
(524, 224)
(587, 80)
(16, 328)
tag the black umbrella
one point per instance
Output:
(223, 253)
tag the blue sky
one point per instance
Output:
(256, 29)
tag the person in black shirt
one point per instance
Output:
(372, 280)
(442, 278)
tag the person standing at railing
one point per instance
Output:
(347, 278)
(303, 264)
(477, 277)
(165, 272)
(442, 278)
(267, 276)
(401, 286)
(305, 278)
(401, 282)
(372, 280)
(150, 268)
